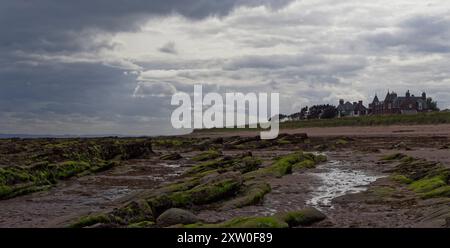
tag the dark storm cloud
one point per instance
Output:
(87, 89)
(105, 65)
(35, 88)
(51, 25)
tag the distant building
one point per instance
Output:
(394, 104)
(348, 109)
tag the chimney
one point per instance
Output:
(341, 102)
(424, 96)
(360, 102)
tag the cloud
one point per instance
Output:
(108, 67)
(169, 47)
(156, 89)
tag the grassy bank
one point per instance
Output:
(378, 120)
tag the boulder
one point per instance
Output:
(304, 217)
(175, 216)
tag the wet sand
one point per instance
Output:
(341, 188)
(77, 197)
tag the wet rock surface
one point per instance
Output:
(244, 181)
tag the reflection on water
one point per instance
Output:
(338, 180)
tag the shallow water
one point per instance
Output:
(337, 179)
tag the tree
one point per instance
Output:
(329, 112)
(314, 112)
(303, 113)
(322, 112)
(432, 105)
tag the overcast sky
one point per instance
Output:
(111, 66)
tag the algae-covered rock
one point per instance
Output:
(250, 195)
(245, 222)
(171, 156)
(91, 220)
(341, 142)
(133, 212)
(142, 224)
(304, 217)
(395, 156)
(175, 216)
(242, 163)
(198, 195)
(443, 191)
(285, 164)
(427, 184)
(208, 155)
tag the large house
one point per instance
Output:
(394, 104)
(348, 109)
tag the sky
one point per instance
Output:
(111, 66)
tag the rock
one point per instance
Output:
(240, 141)
(217, 177)
(175, 216)
(321, 147)
(171, 156)
(142, 224)
(294, 138)
(445, 147)
(304, 217)
(217, 140)
(102, 225)
(401, 146)
(447, 222)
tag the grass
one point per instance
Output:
(375, 120)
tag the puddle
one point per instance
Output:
(338, 180)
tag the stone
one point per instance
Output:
(175, 216)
